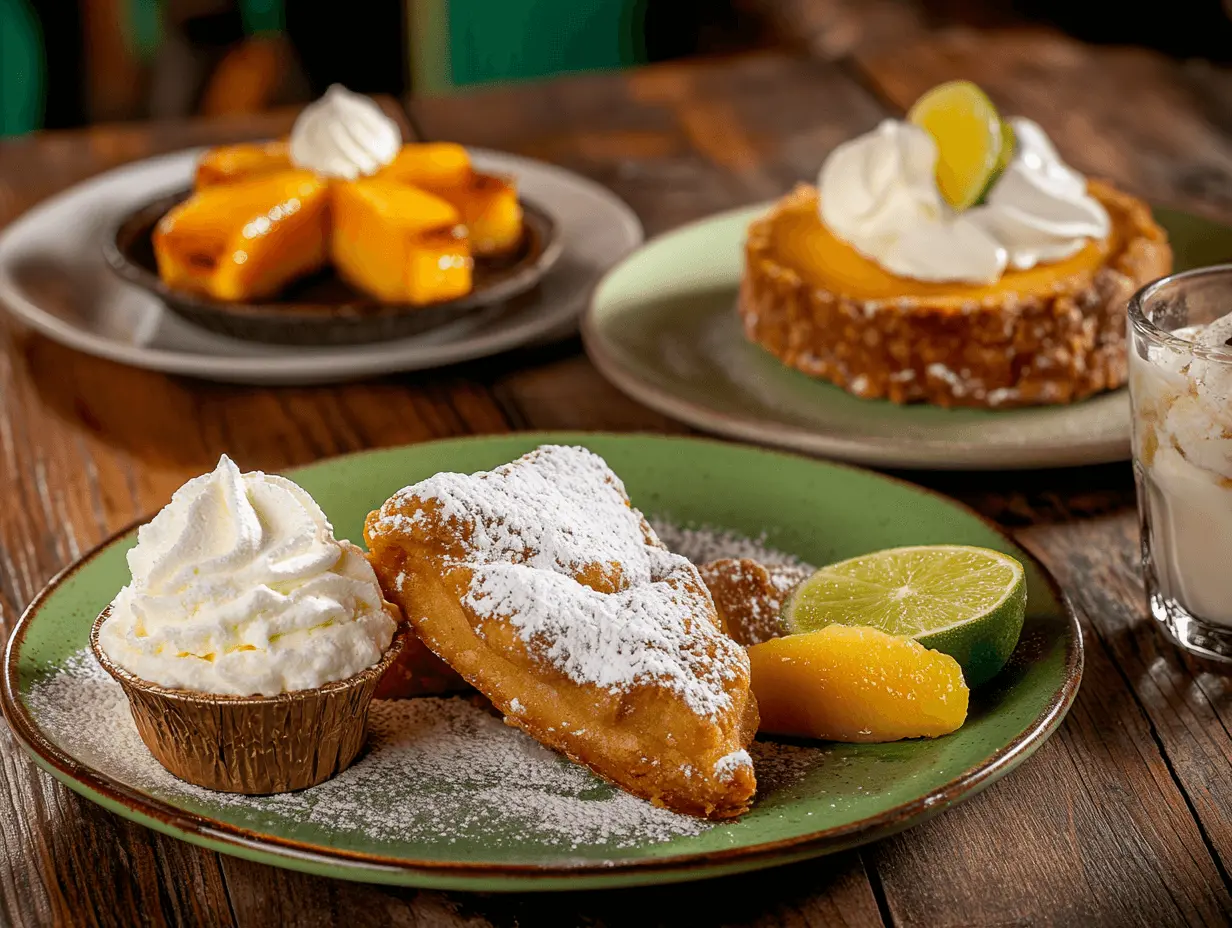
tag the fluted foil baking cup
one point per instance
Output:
(253, 744)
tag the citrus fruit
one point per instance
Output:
(856, 684)
(969, 136)
(1003, 161)
(967, 602)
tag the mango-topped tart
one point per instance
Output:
(400, 223)
(954, 258)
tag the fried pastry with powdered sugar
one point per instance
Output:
(545, 589)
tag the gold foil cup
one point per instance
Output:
(253, 744)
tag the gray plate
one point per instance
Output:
(54, 278)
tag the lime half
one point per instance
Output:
(969, 136)
(967, 602)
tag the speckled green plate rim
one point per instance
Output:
(661, 326)
(333, 862)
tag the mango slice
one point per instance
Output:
(247, 240)
(490, 211)
(856, 684)
(229, 164)
(399, 243)
(432, 165)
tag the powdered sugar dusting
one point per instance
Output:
(558, 553)
(727, 765)
(701, 544)
(433, 768)
(434, 772)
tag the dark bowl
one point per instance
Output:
(321, 308)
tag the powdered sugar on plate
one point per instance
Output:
(432, 768)
(701, 544)
(435, 772)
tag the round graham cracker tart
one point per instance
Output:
(1051, 334)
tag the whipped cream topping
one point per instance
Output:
(879, 193)
(239, 587)
(1039, 209)
(344, 135)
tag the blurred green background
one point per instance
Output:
(65, 63)
(68, 63)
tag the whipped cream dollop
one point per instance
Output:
(879, 193)
(344, 135)
(239, 587)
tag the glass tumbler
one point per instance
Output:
(1180, 385)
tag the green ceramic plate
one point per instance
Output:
(815, 798)
(662, 326)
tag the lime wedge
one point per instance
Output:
(1003, 161)
(966, 602)
(1007, 147)
(969, 136)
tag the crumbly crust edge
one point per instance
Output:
(1054, 347)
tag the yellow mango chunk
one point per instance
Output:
(849, 683)
(229, 164)
(490, 211)
(399, 243)
(247, 240)
(430, 164)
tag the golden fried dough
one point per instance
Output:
(542, 586)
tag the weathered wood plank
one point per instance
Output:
(675, 141)
(829, 893)
(1129, 114)
(1186, 703)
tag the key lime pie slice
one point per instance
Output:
(951, 258)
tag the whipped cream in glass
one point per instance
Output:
(879, 193)
(344, 135)
(1180, 363)
(239, 587)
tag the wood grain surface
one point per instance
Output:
(1123, 818)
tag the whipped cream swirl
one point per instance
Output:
(1039, 209)
(239, 587)
(344, 135)
(879, 193)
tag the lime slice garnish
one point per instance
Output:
(967, 602)
(969, 136)
(1007, 146)
(1003, 161)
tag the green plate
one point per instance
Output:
(662, 326)
(832, 797)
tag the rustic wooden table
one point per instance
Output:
(1124, 817)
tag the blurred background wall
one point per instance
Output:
(72, 62)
